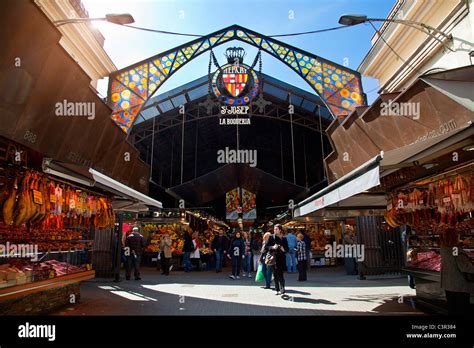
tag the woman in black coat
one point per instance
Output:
(281, 248)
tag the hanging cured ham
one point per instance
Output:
(9, 203)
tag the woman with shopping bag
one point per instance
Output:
(266, 261)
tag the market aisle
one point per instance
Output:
(328, 292)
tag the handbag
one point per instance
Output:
(270, 259)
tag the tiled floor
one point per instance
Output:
(328, 291)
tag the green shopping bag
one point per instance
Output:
(259, 277)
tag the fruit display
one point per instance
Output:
(176, 235)
(319, 237)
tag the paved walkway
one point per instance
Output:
(328, 291)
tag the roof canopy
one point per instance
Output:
(339, 87)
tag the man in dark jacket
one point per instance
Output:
(307, 242)
(281, 248)
(134, 245)
(220, 245)
(236, 253)
(188, 248)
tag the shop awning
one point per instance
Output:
(125, 198)
(117, 186)
(357, 181)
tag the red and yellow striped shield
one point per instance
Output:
(235, 83)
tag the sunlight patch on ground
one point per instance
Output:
(327, 298)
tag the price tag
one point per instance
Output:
(455, 196)
(37, 197)
(420, 201)
(51, 274)
(447, 199)
(52, 198)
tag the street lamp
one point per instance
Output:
(355, 19)
(120, 19)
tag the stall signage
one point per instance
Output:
(319, 203)
(37, 197)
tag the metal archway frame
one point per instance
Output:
(339, 87)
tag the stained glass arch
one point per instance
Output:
(339, 87)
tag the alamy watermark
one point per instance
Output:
(406, 109)
(237, 156)
(37, 331)
(335, 250)
(19, 251)
(79, 109)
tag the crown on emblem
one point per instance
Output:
(235, 52)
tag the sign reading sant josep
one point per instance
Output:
(235, 85)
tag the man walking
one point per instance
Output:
(291, 255)
(134, 245)
(188, 248)
(219, 245)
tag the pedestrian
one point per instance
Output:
(195, 255)
(291, 254)
(256, 246)
(236, 254)
(220, 244)
(280, 249)
(301, 257)
(188, 248)
(165, 254)
(134, 245)
(267, 262)
(248, 256)
(307, 241)
(456, 273)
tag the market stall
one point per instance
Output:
(322, 234)
(424, 209)
(155, 225)
(47, 233)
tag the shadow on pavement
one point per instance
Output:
(307, 300)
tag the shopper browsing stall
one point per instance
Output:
(236, 253)
(165, 254)
(134, 244)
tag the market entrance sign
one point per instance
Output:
(339, 87)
